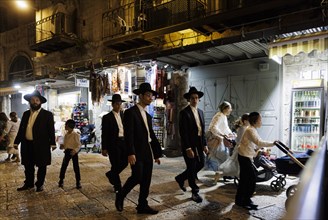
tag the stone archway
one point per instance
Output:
(20, 68)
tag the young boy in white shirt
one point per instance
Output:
(71, 148)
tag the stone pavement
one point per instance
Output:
(96, 198)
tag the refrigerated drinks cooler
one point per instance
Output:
(307, 118)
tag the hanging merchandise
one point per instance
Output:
(160, 75)
(99, 85)
(114, 82)
(121, 78)
(141, 76)
(126, 82)
(133, 79)
(79, 114)
(158, 123)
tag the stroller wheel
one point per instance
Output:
(291, 190)
(287, 202)
(275, 185)
(283, 183)
(236, 181)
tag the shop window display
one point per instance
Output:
(79, 113)
(158, 124)
(61, 115)
(87, 130)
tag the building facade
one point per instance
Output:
(221, 47)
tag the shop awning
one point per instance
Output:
(8, 90)
(298, 44)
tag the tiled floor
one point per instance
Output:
(96, 198)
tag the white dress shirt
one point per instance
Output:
(72, 141)
(196, 115)
(119, 123)
(31, 120)
(144, 116)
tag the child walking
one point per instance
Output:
(71, 148)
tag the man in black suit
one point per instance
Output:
(193, 143)
(112, 142)
(143, 147)
(37, 135)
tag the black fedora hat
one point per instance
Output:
(144, 87)
(116, 98)
(193, 90)
(37, 94)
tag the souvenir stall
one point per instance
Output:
(123, 80)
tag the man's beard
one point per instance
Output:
(35, 107)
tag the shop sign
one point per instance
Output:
(82, 82)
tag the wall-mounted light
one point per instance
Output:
(22, 4)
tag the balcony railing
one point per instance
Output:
(58, 26)
(134, 17)
(151, 15)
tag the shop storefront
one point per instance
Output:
(123, 80)
(304, 61)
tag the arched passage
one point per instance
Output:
(20, 68)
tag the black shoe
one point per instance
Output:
(195, 197)
(119, 202)
(39, 189)
(251, 202)
(61, 183)
(25, 187)
(181, 184)
(249, 206)
(78, 185)
(147, 210)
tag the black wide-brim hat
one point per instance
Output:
(193, 90)
(116, 98)
(37, 94)
(144, 87)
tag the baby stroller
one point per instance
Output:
(291, 164)
(265, 168)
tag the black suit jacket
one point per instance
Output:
(189, 131)
(43, 138)
(136, 136)
(109, 131)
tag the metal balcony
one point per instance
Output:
(134, 18)
(53, 33)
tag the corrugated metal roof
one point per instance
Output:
(225, 53)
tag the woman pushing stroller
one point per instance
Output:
(219, 147)
(249, 144)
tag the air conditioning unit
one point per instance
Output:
(263, 67)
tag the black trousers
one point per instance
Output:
(119, 161)
(30, 169)
(67, 158)
(141, 174)
(247, 181)
(194, 165)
